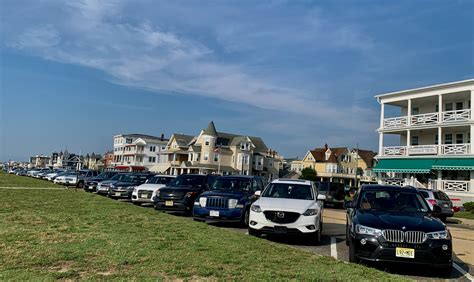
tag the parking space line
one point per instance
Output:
(463, 272)
(333, 247)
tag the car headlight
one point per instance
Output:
(256, 208)
(310, 212)
(202, 201)
(439, 235)
(232, 203)
(112, 186)
(364, 230)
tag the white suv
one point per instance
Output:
(146, 192)
(288, 206)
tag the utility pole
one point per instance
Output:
(357, 166)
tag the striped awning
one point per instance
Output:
(405, 165)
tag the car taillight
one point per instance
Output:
(433, 202)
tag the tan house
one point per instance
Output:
(221, 153)
(339, 164)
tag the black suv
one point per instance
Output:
(395, 224)
(333, 191)
(91, 184)
(124, 188)
(179, 196)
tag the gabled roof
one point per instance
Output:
(183, 140)
(319, 155)
(367, 156)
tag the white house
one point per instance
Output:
(138, 152)
(431, 129)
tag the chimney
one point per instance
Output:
(326, 146)
(162, 136)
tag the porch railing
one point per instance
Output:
(423, 150)
(395, 122)
(395, 151)
(455, 149)
(431, 118)
(459, 115)
(428, 119)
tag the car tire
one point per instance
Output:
(80, 184)
(317, 236)
(347, 234)
(245, 221)
(253, 232)
(352, 253)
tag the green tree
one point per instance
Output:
(308, 173)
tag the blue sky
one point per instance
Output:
(297, 73)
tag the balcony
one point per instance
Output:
(427, 119)
(445, 149)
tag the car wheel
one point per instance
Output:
(253, 232)
(245, 222)
(347, 234)
(317, 236)
(80, 184)
(352, 253)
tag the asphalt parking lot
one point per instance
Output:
(333, 244)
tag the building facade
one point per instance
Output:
(219, 153)
(138, 152)
(340, 165)
(425, 137)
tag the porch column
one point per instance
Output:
(381, 143)
(439, 183)
(440, 139)
(409, 113)
(382, 114)
(472, 136)
(408, 140)
(471, 185)
(472, 106)
(440, 109)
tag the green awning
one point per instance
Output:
(455, 164)
(405, 165)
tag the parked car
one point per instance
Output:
(179, 196)
(64, 177)
(395, 224)
(91, 184)
(35, 172)
(146, 192)
(52, 175)
(440, 199)
(103, 186)
(334, 192)
(21, 172)
(43, 173)
(228, 200)
(124, 188)
(288, 206)
(79, 178)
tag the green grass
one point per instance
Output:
(11, 180)
(67, 234)
(467, 215)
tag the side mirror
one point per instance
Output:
(348, 205)
(258, 193)
(436, 210)
(321, 197)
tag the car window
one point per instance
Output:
(441, 196)
(159, 180)
(424, 194)
(232, 184)
(289, 191)
(188, 180)
(392, 201)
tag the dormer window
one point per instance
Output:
(328, 154)
(207, 141)
(245, 146)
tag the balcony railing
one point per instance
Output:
(445, 149)
(450, 185)
(427, 119)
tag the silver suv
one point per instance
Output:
(438, 198)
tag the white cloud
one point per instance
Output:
(38, 37)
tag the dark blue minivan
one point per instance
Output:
(228, 199)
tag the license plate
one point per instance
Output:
(169, 203)
(214, 213)
(445, 205)
(280, 229)
(405, 253)
(118, 194)
(144, 196)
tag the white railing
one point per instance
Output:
(455, 149)
(423, 150)
(394, 182)
(431, 118)
(455, 185)
(454, 116)
(395, 122)
(394, 151)
(404, 182)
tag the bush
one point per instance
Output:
(308, 173)
(469, 207)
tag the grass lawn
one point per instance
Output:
(468, 215)
(11, 180)
(67, 234)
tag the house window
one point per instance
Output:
(207, 141)
(414, 140)
(436, 139)
(216, 157)
(459, 138)
(128, 141)
(152, 148)
(206, 156)
(415, 111)
(437, 108)
(151, 159)
(448, 106)
(459, 106)
(448, 138)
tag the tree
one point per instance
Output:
(308, 173)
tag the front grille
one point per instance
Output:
(217, 203)
(415, 237)
(398, 236)
(283, 217)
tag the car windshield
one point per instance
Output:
(134, 178)
(159, 180)
(232, 184)
(288, 191)
(188, 180)
(119, 177)
(392, 201)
